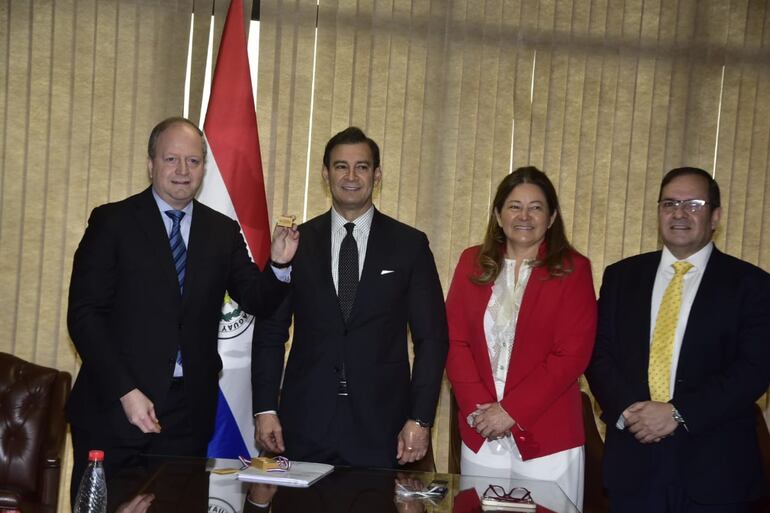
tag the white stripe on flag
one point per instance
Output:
(213, 191)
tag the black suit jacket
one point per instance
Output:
(724, 366)
(399, 288)
(127, 318)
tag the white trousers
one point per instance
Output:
(501, 459)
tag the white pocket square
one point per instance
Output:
(386, 271)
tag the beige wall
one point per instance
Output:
(604, 96)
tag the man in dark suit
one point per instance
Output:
(682, 353)
(360, 280)
(148, 281)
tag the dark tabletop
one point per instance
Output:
(159, 485)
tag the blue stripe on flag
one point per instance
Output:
(227, 441)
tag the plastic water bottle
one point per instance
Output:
(92, 493)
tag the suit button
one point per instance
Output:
(179, 326)
(345, 332)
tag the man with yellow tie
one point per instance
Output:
(682, 353)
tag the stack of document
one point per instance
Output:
(301, 474)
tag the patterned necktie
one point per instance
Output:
(347, 279)
(662, 348)
(178, 249)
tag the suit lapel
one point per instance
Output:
(704, 308)
(375, 252)
(645, 283)
(149, 221)
(196, 248)
(637, 317)
(531, 298)
(319, 258)
(376, 256)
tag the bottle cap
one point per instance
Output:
(95, 455)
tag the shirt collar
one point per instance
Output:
(163, 206)
(362, 222)
(698, 259)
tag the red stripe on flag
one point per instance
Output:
(231, 130)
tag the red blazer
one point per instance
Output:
(555, 335)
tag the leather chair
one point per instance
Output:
(595, 497)
(32, 433)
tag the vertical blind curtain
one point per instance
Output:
(603, 95)
(208, 22)
(82, 82)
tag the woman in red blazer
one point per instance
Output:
(522, 321)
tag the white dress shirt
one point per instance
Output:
(691, 283)
(184, 224)
(363, 225)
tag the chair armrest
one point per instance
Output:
(49, 485)
(50, 474)
(57, 423)
(9, 499)
(52, 463)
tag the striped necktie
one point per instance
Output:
(178, 249)
(662, 348)
(179, 254)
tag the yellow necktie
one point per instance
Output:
(662, 348)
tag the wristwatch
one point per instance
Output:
(678, 417)
(422, 423)
(279, 265)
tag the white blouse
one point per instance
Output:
(502, 313)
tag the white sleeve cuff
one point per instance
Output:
(283, 275)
